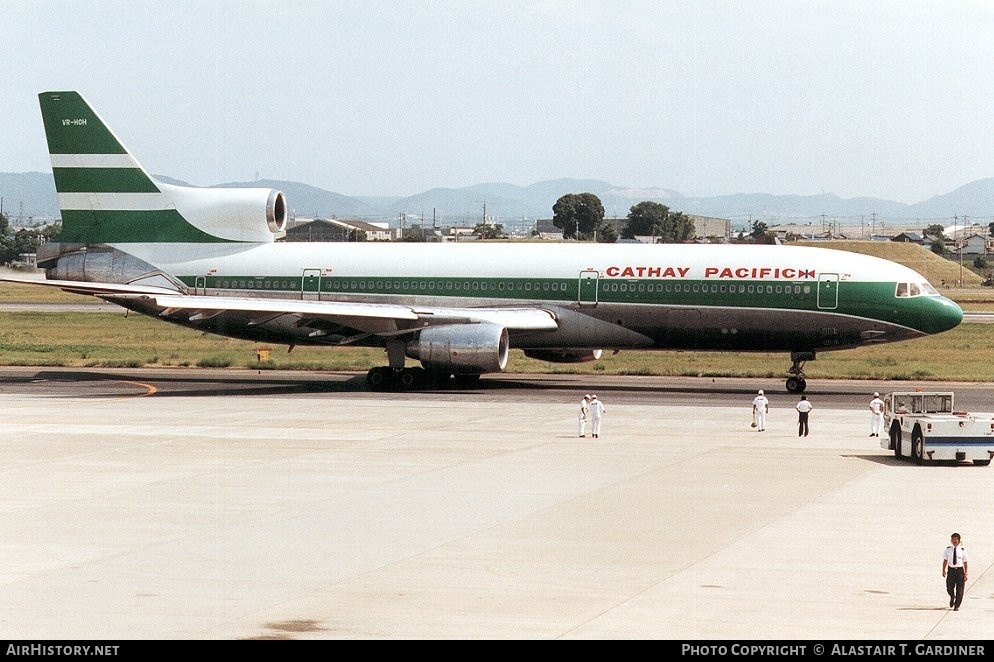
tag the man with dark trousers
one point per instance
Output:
(954, 569)
(803, 408)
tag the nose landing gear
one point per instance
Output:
(795, 375)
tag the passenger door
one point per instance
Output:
(828, 291)
(310, 284)
(587, 293)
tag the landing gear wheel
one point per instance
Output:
(796, 385)
(410, 379)
(795, 375)
(380, 379)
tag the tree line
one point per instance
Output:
(580, 216)
(13, 243)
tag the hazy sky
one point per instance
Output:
(857, 98)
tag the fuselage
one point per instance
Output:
(663, 296)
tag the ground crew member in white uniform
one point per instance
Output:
(584, 408)
(876, 415)
(596, 411)
(760, 407)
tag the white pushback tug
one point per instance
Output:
(925, 426)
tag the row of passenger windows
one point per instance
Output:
(430, 285)
(476, 286)
(260, 284)
(714, 288)
(378, 285)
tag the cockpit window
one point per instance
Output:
(916, 289)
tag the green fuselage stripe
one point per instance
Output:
(856, 299)
(98, 226)
(102, 180)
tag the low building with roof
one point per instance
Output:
(333, 229)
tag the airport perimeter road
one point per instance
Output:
(137, 506)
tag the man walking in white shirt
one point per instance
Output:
(954, 569)
(803, 408)
(584, 408)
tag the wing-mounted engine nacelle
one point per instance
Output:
(461, 349)
(234, 214)
(564, 355)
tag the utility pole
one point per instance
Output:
(965, 219)
(955, 233)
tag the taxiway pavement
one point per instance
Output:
(133, 510)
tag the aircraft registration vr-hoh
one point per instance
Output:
(213, 260)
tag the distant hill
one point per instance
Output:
(784, 208)
(32, 194)
(975, 200)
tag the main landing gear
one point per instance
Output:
(795, 378)
(396, 377)
(385, 378)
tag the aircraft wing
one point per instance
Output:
(371, 318)
(375, 318)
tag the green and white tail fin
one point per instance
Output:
(107, 197)
(86, 155)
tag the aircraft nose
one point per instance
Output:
(943, 314)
